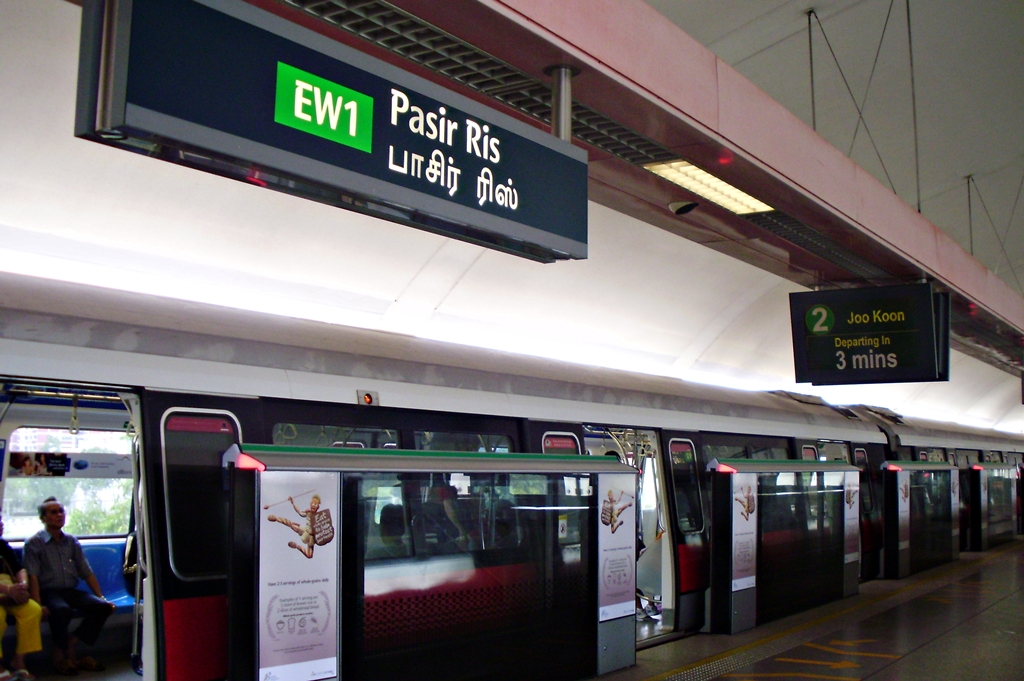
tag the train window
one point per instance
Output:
(969, 457)
(560, 443)
(428, 514)
(995, 456)
(355, 437)
(860, 456)
(192, 443)
(936, 454)
(434, 441)
(712, 452)
(90, 471)
(776, 453)
(834, 451)
(689, 513)
(904, 453)
(809, 453)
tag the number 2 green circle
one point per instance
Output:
(819, 319)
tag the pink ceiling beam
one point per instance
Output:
(695, 101)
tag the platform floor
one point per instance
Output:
(964, 620)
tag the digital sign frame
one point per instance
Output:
(229, 88)
(890, 334)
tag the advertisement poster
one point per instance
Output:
(744, 531)
(82, 465)
(298, 575)
(851, 524)
(616, 545)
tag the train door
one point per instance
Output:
(185, 436)
(655, 566)
(76, 444)
(688, 503)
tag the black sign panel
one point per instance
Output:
(270, 102)
(895, 334)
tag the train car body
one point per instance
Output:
(181, 399)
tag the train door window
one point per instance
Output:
(867, 500)
(434, 441)
(89, 471)
(996, 456)
(809, 453)
(192, 442)
(353, 437)
(560, 443)
(935, 454)
(904, 453)
(834, 451)
(689, 512)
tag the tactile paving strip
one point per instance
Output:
(730, 663)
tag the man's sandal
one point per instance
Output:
(65, 667)
(90, 665)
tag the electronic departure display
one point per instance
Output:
(894, 334)
(228, 88)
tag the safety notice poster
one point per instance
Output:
(616, 545)
(298, 575)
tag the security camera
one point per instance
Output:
(682, 207)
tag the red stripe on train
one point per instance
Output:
(196, 638)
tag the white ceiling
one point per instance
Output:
(644, 300)
(968, 60)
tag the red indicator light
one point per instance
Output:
(246, 462)
(895, 468)
(367, 398)
(725, 157)
(976, 467)
(723, 468)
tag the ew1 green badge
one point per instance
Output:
(319, 107)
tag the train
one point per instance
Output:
(139, 433)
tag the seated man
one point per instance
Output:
(14, 599)
(55, 563)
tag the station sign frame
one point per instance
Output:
(232, 89)
(887, 334)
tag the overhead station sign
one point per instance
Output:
(232, 89)
(894, 334)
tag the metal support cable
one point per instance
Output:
(810, 55)
(970, 215)
(995, 230)
(1013, 211)
(871, 76)
(853, 99)
(913, 106)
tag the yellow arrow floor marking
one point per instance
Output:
(785, 675)
(840, 651)
(842, 664)
(852, 643)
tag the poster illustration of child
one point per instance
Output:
(317, 530)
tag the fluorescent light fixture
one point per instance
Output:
(703, 183)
